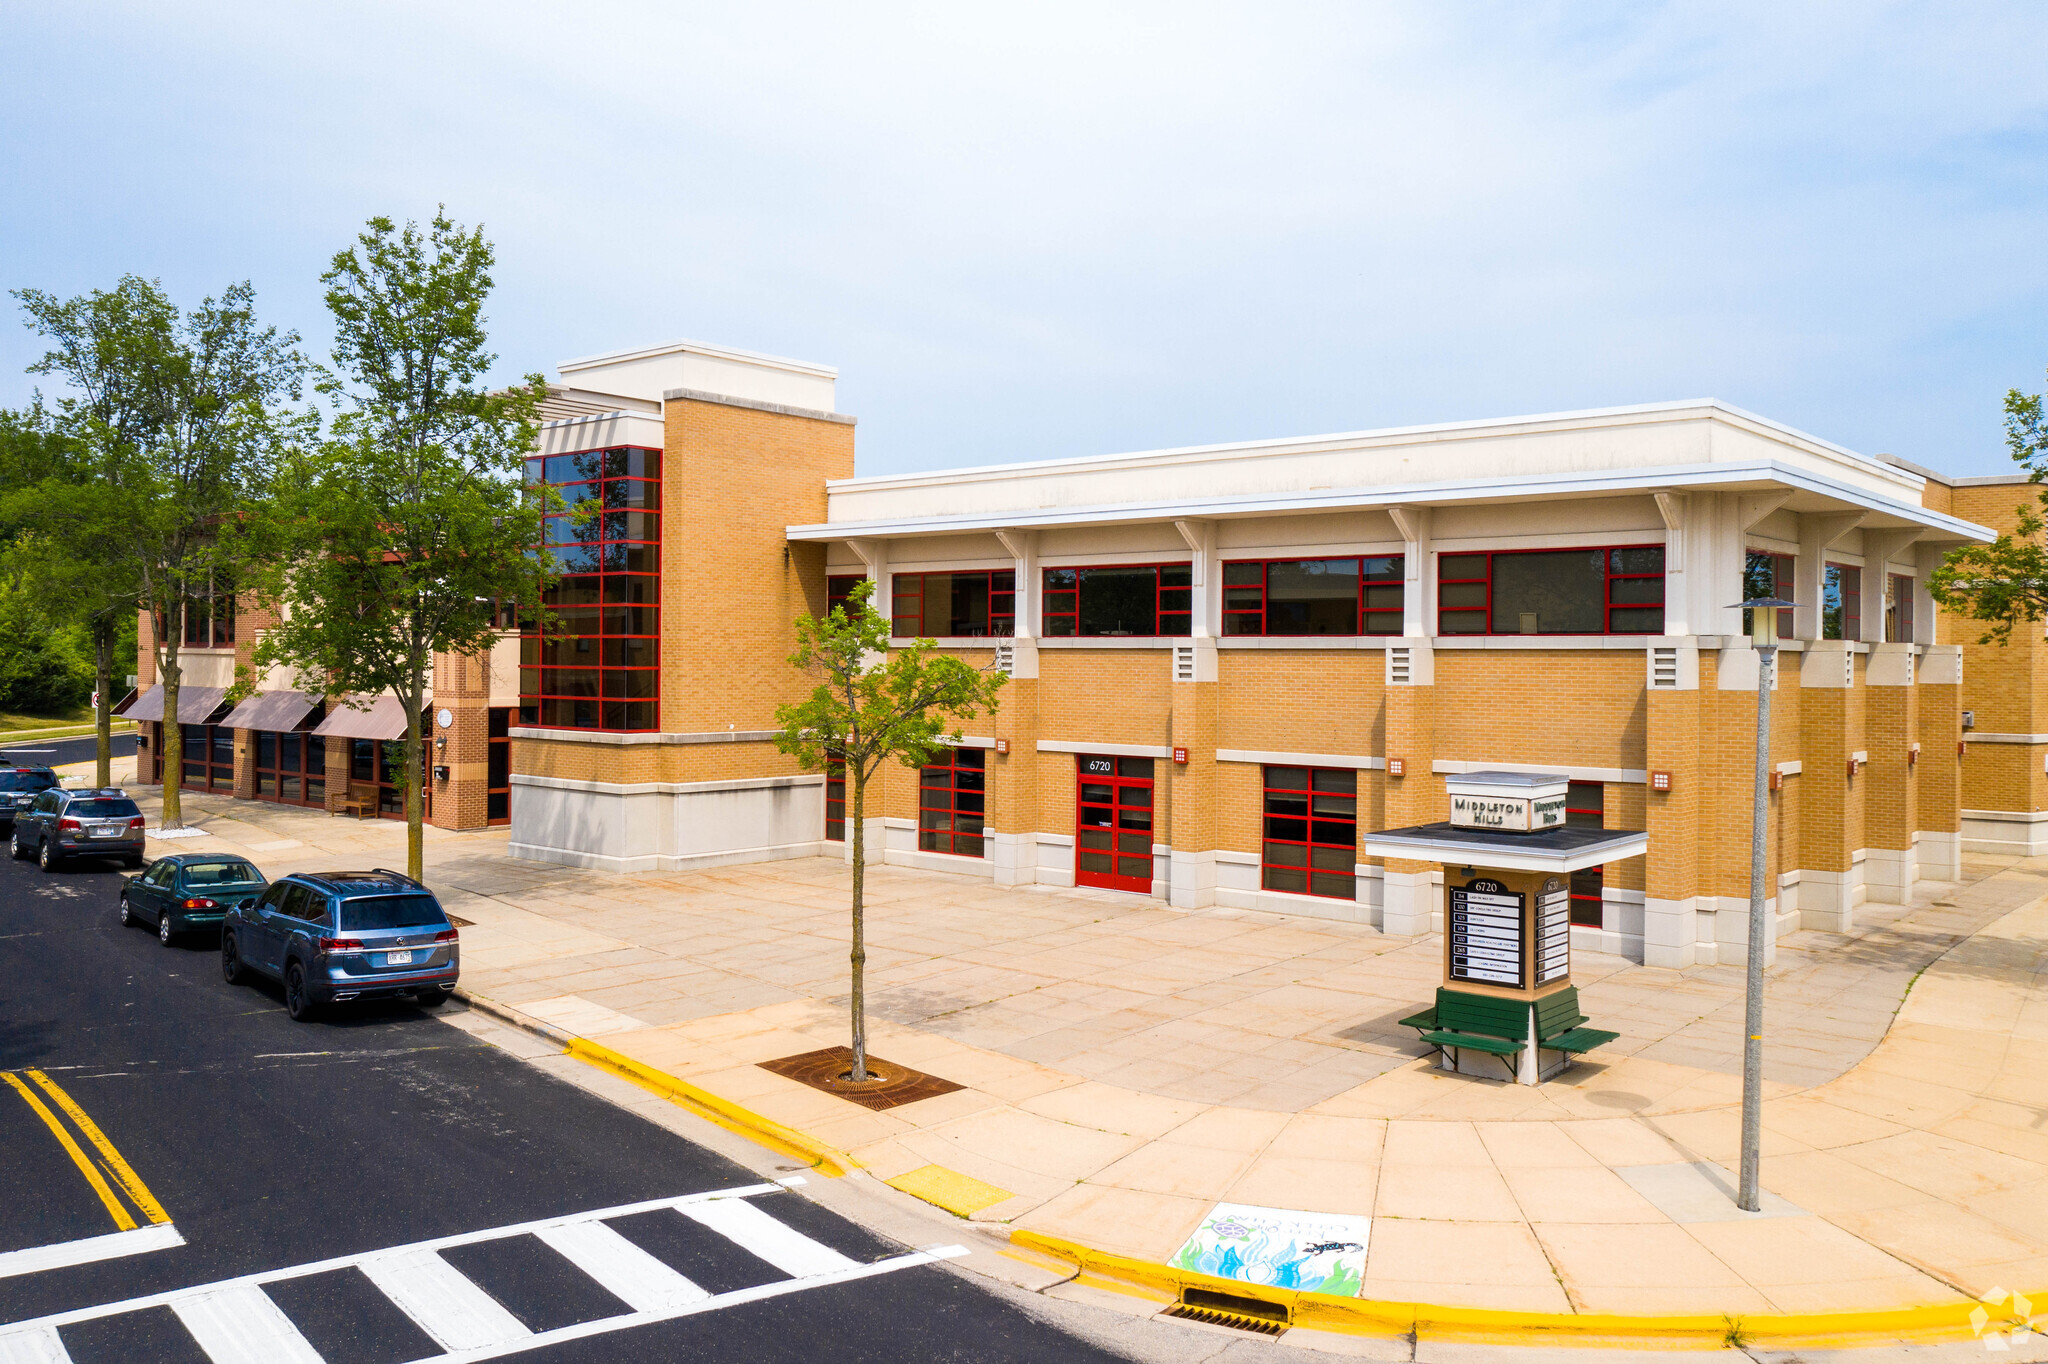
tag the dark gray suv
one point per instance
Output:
(59, 825)
(19, 787)
(342, 935)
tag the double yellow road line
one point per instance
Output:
(97, 1172)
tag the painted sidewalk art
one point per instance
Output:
(1315, 1252)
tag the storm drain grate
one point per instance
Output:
(1212, 1308)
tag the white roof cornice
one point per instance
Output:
(1725, 476)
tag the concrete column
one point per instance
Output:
(1891, 781)
(1673, 818)
(1938, 724)
(1828, 892)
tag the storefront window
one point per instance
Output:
(951, 800)
(1310, 845)
(1129, 599)
(1617, 591)
(972, 603)
(594, 664)
(1312, 596)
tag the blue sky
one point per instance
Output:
(1036, 231)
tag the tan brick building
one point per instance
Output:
(1228, 662)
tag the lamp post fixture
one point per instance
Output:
(1763, 632)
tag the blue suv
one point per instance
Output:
(342, 935)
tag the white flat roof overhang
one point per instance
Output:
(1809, 492)
(1568, 849)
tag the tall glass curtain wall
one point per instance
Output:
(593, 663)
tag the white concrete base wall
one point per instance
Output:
(668, 826)
(1237, 887)
(1411, 903)
(1938, 856)
(2012, 833)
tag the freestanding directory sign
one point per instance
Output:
(1508, 854)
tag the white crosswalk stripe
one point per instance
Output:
(754, 1231)
(241, 1325)
(236, 1322)
(455, 1312)
(32, 1346)
(627, 1272)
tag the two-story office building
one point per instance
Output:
(1226, 661)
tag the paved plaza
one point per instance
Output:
(1126, 1066)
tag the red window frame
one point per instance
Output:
(1608, 604)
(1781, 585)
(835, 800)
(952, 804)
(1585, 802)
(209, 622)
(1241, 619)
(910, 587)
(599, 694)
(1898, 608)
(1060, 602)
(838, 587)
(1851, 590)
(1309, 817)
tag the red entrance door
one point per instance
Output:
(1113, 828)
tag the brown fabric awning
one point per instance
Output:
(196, 705)
(385, 719)
(279, 710)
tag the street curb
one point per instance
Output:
(1322, 1311)
(1359, 1316)
(826, 1160)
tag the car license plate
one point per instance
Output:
(106, 831)
(398, 958)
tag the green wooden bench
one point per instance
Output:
(1500, 1027)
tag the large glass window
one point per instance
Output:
(1312, 596)
(1898, 608)
(1585, 803)
(1765, 574)
(1616, 591)
(209, 621)
(971, 603)
(951, 800)
(1128, 599)
(594, 664)
(1310, 842)
(835, 799)
(1841, 603)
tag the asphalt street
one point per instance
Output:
(57, 752)
(143, 1092)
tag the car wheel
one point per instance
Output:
(45, 858)
(230, 960)
(297, 1002)
(127, 914)
(14, 848)
(164, 932)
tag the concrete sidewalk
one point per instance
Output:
(1127, 1066)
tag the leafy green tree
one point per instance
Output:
(2005, 583)
(872, 705)
(170, 422)
(395, 536)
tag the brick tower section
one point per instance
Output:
(462, 688)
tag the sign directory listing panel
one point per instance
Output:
(1486, 934)
(1553, 931)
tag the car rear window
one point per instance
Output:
(26, 781)
(390, 911)
(221, 874)
(102, 808)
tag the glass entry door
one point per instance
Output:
(1113, 824)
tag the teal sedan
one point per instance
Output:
(189, 892)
